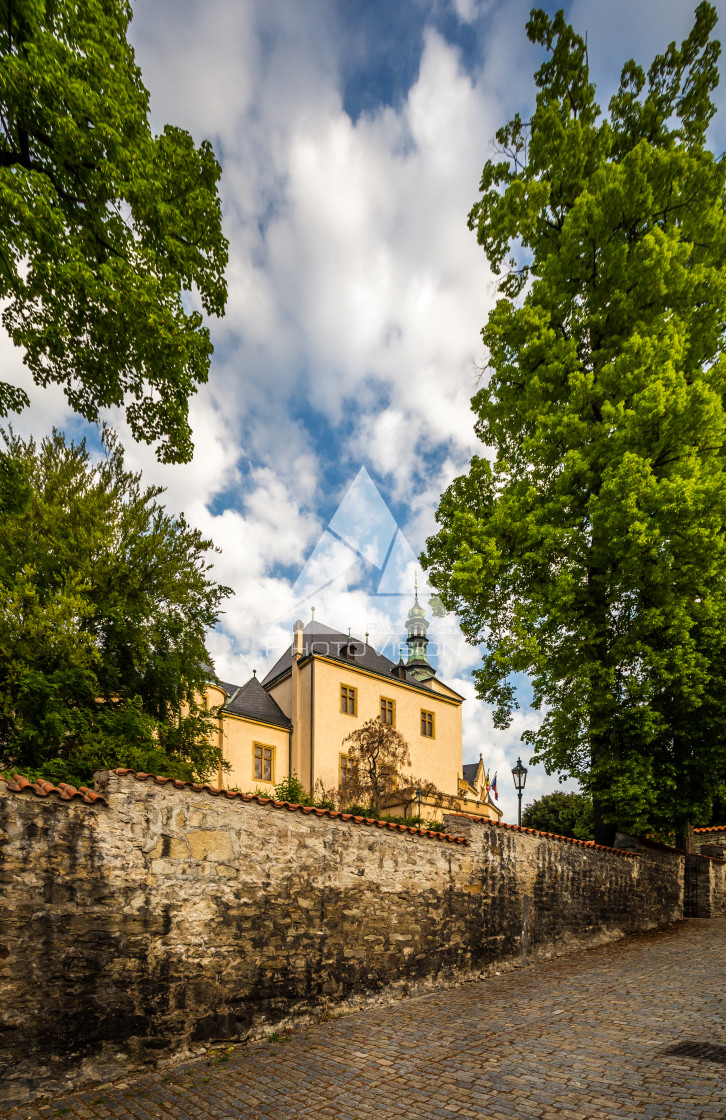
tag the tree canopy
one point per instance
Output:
(590, 551)
(106, 228)
(105, 600)
(564, 814)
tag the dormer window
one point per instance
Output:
(348, 652)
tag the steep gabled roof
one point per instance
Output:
(252, 701)
(470, 770)
(320, 639)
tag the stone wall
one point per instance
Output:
(706, 874)
(718, 888)
(167, 917)
(711, 841)
(543, 895)
(710, 878)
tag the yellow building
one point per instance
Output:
(325, 685)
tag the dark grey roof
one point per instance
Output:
(251, 700)
(228, 688)
(470, 770)
(330, 643)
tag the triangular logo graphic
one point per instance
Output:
(363, 521)
(361, 548)
(361, 574)
(330, 559)
(399, 572)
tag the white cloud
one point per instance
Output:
(208, 56)
(467, 10)
(353, 278)
(355, 287)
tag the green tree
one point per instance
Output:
(590, 553)
(718, 815)
(105, 600)
(565, 814)
(104, 225)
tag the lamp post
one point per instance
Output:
(519, 773)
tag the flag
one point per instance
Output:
(494, 788)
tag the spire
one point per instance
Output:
(417, 624)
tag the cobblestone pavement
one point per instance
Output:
(586, 1037)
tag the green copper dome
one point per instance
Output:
(417, 610)
(417, 624)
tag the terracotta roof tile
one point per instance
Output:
(289, 807)
(549, 835)
(63, 791)
(712, 828)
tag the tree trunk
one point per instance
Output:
(600, 705)
(604, 808)
(604, 831)
(685, 839)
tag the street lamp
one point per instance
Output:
(519, 773)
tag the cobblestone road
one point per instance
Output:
(586, 1037)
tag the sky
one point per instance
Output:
(352, 134)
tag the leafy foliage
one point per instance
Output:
(105, 601)
(591, 552)
(105, 225)
(565, 814)
(718, 811)
(374, 814)
(291, 789)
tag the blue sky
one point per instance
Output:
(352, 134)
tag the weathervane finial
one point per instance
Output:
(312, 612)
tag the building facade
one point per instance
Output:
(326, 684)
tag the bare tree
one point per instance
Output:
(377, 754)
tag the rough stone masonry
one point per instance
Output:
(158, 916)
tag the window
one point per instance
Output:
(389, 780)
(347, 768)
(348, 700)
(264, 764)
(427, 724)
(388, 711)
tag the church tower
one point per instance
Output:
(417, 624)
